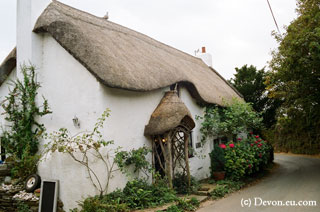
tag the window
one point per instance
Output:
(191, 150)
(220, 140)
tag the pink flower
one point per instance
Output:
(257, 136)
(251, 144)
(256, 142)
(259, 145)
(231, 145)
(222, 146)
(239, 139)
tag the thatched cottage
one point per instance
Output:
(87, 63)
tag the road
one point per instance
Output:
(296, 179)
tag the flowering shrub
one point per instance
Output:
(217, 158)
(245, 157)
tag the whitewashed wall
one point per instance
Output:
(4, 91)
(73, 91)
(200, 163)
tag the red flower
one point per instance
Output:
(231, 145)
(251, 144)
(260, 155)
(257, 136)
(259, 140)
(239, 139)
(259, 145)
(256, 142)
(222, 146)
(251, 133)
(249, 166)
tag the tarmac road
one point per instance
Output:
(296, 179)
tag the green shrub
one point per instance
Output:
(137, 194)
(136, 158)
(184, 205)
(217, 159)
(247, 156)
(95, 204)
(174, 208)
(180, 184)
(224, 187)
(219, 191)
(23, 207)
(21, 169)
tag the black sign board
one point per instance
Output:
(49, 195)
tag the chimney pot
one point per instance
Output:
(203, 49)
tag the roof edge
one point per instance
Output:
(9, 63)
(226, 81)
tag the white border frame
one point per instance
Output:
(56, 190)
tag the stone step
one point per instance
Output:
(206, 189)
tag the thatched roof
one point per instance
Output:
(122, 58)
(8, 65)
(169, 114)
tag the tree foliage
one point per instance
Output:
(249, 81)
(295, 79)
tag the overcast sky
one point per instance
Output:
(235, 32)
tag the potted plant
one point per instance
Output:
(217, 162)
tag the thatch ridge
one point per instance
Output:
(8, 64)
(122, 58)
(168, 115)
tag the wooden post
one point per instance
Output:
(169, 160)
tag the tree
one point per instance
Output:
(295, 79)
(250, 83)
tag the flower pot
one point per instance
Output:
(219, 175)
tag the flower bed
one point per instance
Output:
(245, 157)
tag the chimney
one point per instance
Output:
(206, 57)
(29, 43)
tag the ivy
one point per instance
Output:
(136, 158)
(21, 138)
(235, 118)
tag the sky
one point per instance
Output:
(234, 32)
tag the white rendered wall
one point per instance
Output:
(28, 42)
(4, 91)
(200, 163)
(72, 91)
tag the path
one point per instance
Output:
(296, 179)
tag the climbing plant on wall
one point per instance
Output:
(21, 135)
(236, 117)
